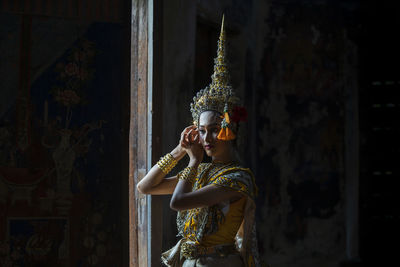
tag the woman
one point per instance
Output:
(215, 201)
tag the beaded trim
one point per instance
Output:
(191, 250)
(167, 163)
(188, 174)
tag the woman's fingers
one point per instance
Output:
(183, 135)
(196, 138)
(185, 131)
(186, 136)
(189, 136)
(188, 128)
(184, 145)
(183, 140)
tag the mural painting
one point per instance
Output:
(59, 169)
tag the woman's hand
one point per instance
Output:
(190, 143)
(155, 182)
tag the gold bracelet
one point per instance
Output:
(188, 174)
(167, 163)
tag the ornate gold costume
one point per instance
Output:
(222, 229)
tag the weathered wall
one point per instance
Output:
(300, 125)
(293, 65)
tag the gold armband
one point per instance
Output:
(167, 163)
(188, 174)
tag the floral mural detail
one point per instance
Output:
(74, 76)
(77, 68)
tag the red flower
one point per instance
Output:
(239, 114)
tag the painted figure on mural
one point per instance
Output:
(215, 201)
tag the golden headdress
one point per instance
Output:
(219, 95)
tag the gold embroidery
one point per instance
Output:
(195, 223)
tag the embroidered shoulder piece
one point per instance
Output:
(193, 224)
(238, 179)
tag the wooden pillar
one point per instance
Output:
(138, 137)
(145, 212)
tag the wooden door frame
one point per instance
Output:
(145, 226)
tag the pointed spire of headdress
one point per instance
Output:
(220, 83)
(220, 78)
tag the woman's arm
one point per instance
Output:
(183, 197)
(204, 197)
(154, 182)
